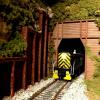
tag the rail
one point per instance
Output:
(50, 92)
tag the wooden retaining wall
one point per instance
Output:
(12, 75)
(19, 72)
(89, 34)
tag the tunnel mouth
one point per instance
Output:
(75, 47)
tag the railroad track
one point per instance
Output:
(52, 92)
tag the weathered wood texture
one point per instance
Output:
(89, 34)
(23, 71)
(10, 69)
(33, 58)
(45, 48)
(72, 30)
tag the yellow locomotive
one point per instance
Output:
(64, 65)
(68, 66)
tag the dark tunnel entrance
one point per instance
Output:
(71, 45)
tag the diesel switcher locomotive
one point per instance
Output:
(68, 66)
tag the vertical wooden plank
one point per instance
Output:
(12, 79)
(24, 76)
(48, 60)
(45, 48)
(81, 30)
(39, 59)
(40, 43)
(86, 34)
(47, 41)
(86, 27)
(33, 59)
(41, 25)
(62, 30)
(25, 36)
(40, 21)
(57, 43)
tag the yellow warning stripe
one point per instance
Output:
(67, 61)
(60, 59)
(64, 60)
(65, 64)
(67, 56)
(60, 63)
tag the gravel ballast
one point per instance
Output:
(77, 90)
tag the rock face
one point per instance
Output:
(77, 90)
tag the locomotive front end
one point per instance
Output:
(62, 71)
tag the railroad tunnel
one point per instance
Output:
(70, 45)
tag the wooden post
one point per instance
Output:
(57, 44)
(45, 48)
(49, 38)
(39, 59)
(62, 31)
(86, 35)
(12, 79)
(25, 36)
(24, 76)
(33, 59)
(81, 30)
(40, 20)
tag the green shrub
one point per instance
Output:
(76, 10)
(97, 70)
(15, 47)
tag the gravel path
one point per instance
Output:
(77, 90)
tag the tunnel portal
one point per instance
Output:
(74, 45)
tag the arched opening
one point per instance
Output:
(74, 45)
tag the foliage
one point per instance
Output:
(94, 87)
(16, 14)
(76, 10)
(97, 71)
(20, 13)
(96, 62)
(15, 47)
(96, 77)
(50, 56)
(95, 82)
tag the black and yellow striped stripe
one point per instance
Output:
(64, 60)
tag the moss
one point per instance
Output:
(94, 85)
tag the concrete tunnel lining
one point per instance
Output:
(71, 44)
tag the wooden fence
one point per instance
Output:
(19, 72)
